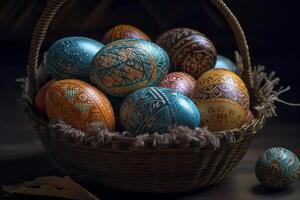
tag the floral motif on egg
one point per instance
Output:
(79, 104)
(277, 168)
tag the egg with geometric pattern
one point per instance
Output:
(124, 66)
(71, 57)
(156, 109)
(222, 98)
(277, 168)
(190, 51)
(78, 104)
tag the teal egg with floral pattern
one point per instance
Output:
(71, 57)
(124, 66)
(277, 168)
(156, 109)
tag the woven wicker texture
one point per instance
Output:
(121, 164)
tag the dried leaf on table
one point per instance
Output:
(52, 186)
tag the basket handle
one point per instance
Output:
(53, 6)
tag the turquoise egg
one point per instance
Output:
(277, 168)
(225, 63)
(70, 57)
(156, 109)
(127, 65)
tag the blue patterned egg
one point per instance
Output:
(156, 109)
(277, 168)
(70, 58)
(225, 63)
(127, 65)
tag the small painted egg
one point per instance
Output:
(40, 98)
(222, 99)
(190, 51)
(71, 57)
(79, 104)
(124, 31)
(225, 63)
(125, 66)
(156, 109)
(179, 81)
(277, 168)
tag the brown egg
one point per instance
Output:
(41, 98)
(190, 51)
(179, 81)
(78, 104)
(222, 98)
(123, 32)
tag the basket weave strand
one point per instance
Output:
(120, 164)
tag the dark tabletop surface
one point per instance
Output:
(22, 158)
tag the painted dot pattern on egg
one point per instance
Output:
(127, 65)
(71, 57)
(79, 104)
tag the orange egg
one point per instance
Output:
(124, 32)
(79, 104)
(222, 98)
(41, 98)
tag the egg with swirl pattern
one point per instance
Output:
(71, 57)
(78, 104)
(125, 66)
(156, 109)
(222, 99)
(189, 50)
(124, 31)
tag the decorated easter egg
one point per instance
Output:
(190, 51)
(125, 66)
(225, 63)
(156, 109)
(71, 57)
(277, 168)
(79, 104)
(179, 81)
(222, 99)
(40, 98)
(123, 31)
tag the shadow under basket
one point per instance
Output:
(181, 160)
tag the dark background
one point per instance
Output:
(271, 27)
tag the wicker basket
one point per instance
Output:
(123, 165)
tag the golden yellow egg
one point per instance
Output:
(222, 98)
